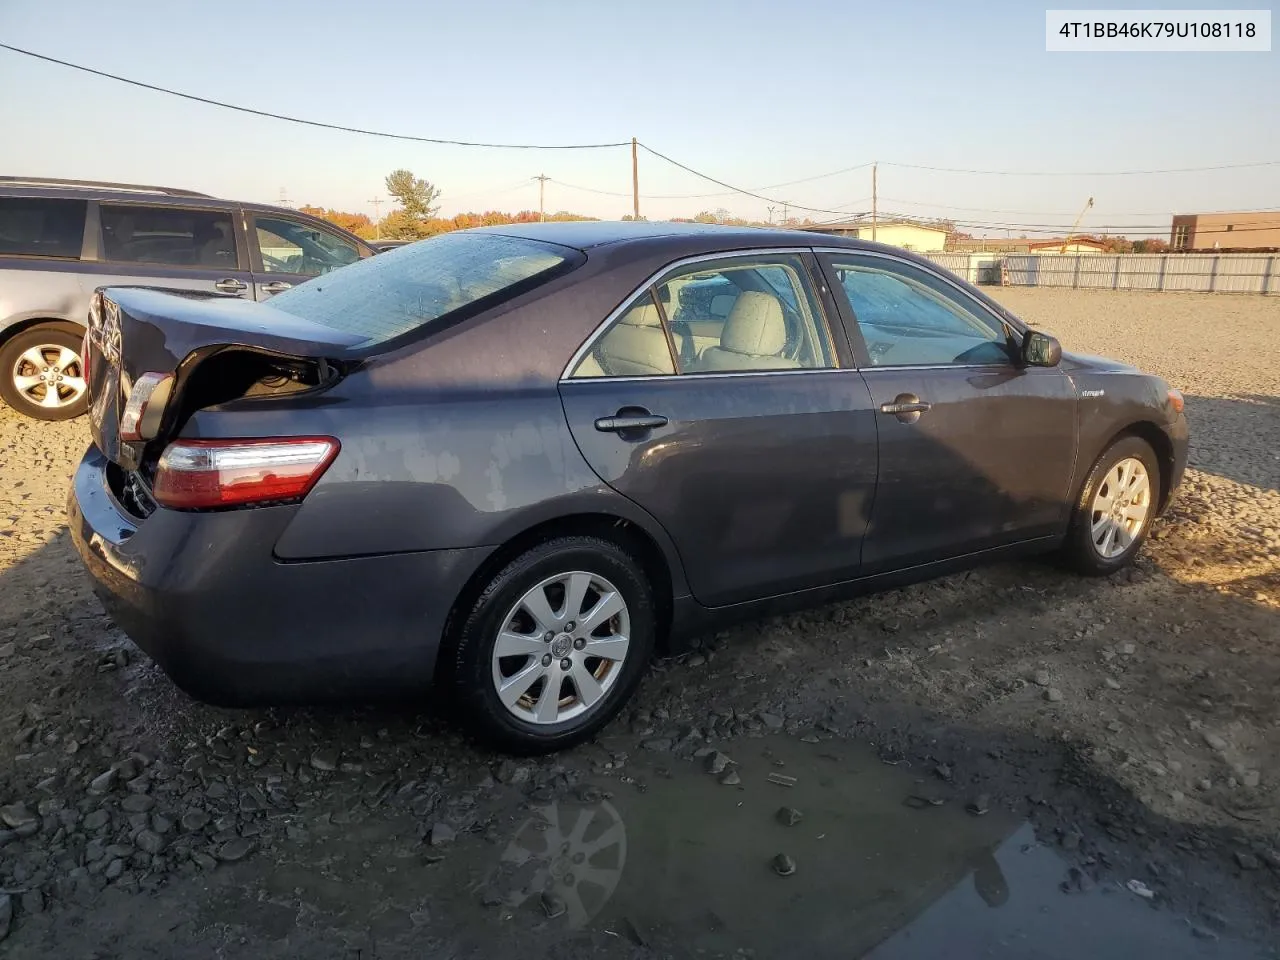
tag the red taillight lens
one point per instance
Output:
(195, 474)
(149, 394)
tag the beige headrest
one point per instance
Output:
(755, 325)
(643, 314)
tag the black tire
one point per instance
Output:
(468, 664)
(1079, 551)
(46, 334)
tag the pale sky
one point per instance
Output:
(753, 93)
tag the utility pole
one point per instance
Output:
(542, 179)
(635, 181)
(784, 212)
(771, 209)
(874, 199)
(377, 217)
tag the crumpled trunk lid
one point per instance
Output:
(139, 330)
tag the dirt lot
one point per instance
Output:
(1128, 729)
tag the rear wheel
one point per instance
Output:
(555, 645)
(1116, 507)
(42, 372)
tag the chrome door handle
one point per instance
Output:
(276, 286)
(231, 285)
(896, 408)
(907, 407)
(619, 424)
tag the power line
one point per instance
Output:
(1029, 213)
(309, 123)
(729, 186)
(1085, 173)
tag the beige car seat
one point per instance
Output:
(754, 336)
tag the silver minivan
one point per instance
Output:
(62, 239)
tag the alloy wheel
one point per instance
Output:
(1120, 508)
(49, 375)
(561, 648)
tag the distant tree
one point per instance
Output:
(1114, 244)
(418, 198)
(357, 223)
(398, 225)
(1150, 245)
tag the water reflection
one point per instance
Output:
(680, 862)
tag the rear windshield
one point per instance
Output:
(392, 293)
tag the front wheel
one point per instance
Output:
(1115, 509)
(555, 645)
(42, 372)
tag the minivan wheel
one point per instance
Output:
(1115, 509)
(554, 645)
(42, 372)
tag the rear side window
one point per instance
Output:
(395, 292)
(39, 227)
(169, 236)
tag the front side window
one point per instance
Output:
(383, 297)
(289, 246)
(39, 227)
(908, 318)
(204, 239)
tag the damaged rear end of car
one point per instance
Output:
(155, 359)
(230, 438)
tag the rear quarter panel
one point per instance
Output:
(33, 289)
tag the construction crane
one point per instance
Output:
(1076, 224)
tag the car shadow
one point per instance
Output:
(1237, 438)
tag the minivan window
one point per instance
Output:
(41, 227)
(288, 246)
(401, 290)
(170, 236)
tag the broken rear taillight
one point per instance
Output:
(204, 474)
(141, 417)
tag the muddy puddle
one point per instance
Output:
(685, 864)
(657, 854)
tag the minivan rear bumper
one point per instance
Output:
(203, 594)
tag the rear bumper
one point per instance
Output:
(203, 594)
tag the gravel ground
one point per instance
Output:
(1134, 722)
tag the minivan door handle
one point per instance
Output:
(275, 286)
(231, 285)
(907, 407)
(622, 422)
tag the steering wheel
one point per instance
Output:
(276, 265)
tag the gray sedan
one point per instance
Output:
(516, 461)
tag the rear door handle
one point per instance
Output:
(231, 285)
(638, 422)
(896, 408)
(276, 286)
(907, 407)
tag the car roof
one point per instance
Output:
(585, 234)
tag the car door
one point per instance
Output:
(287, 251)
(975, 450)
(186, 247)
(757, 451)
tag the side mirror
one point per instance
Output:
(1040, 350)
